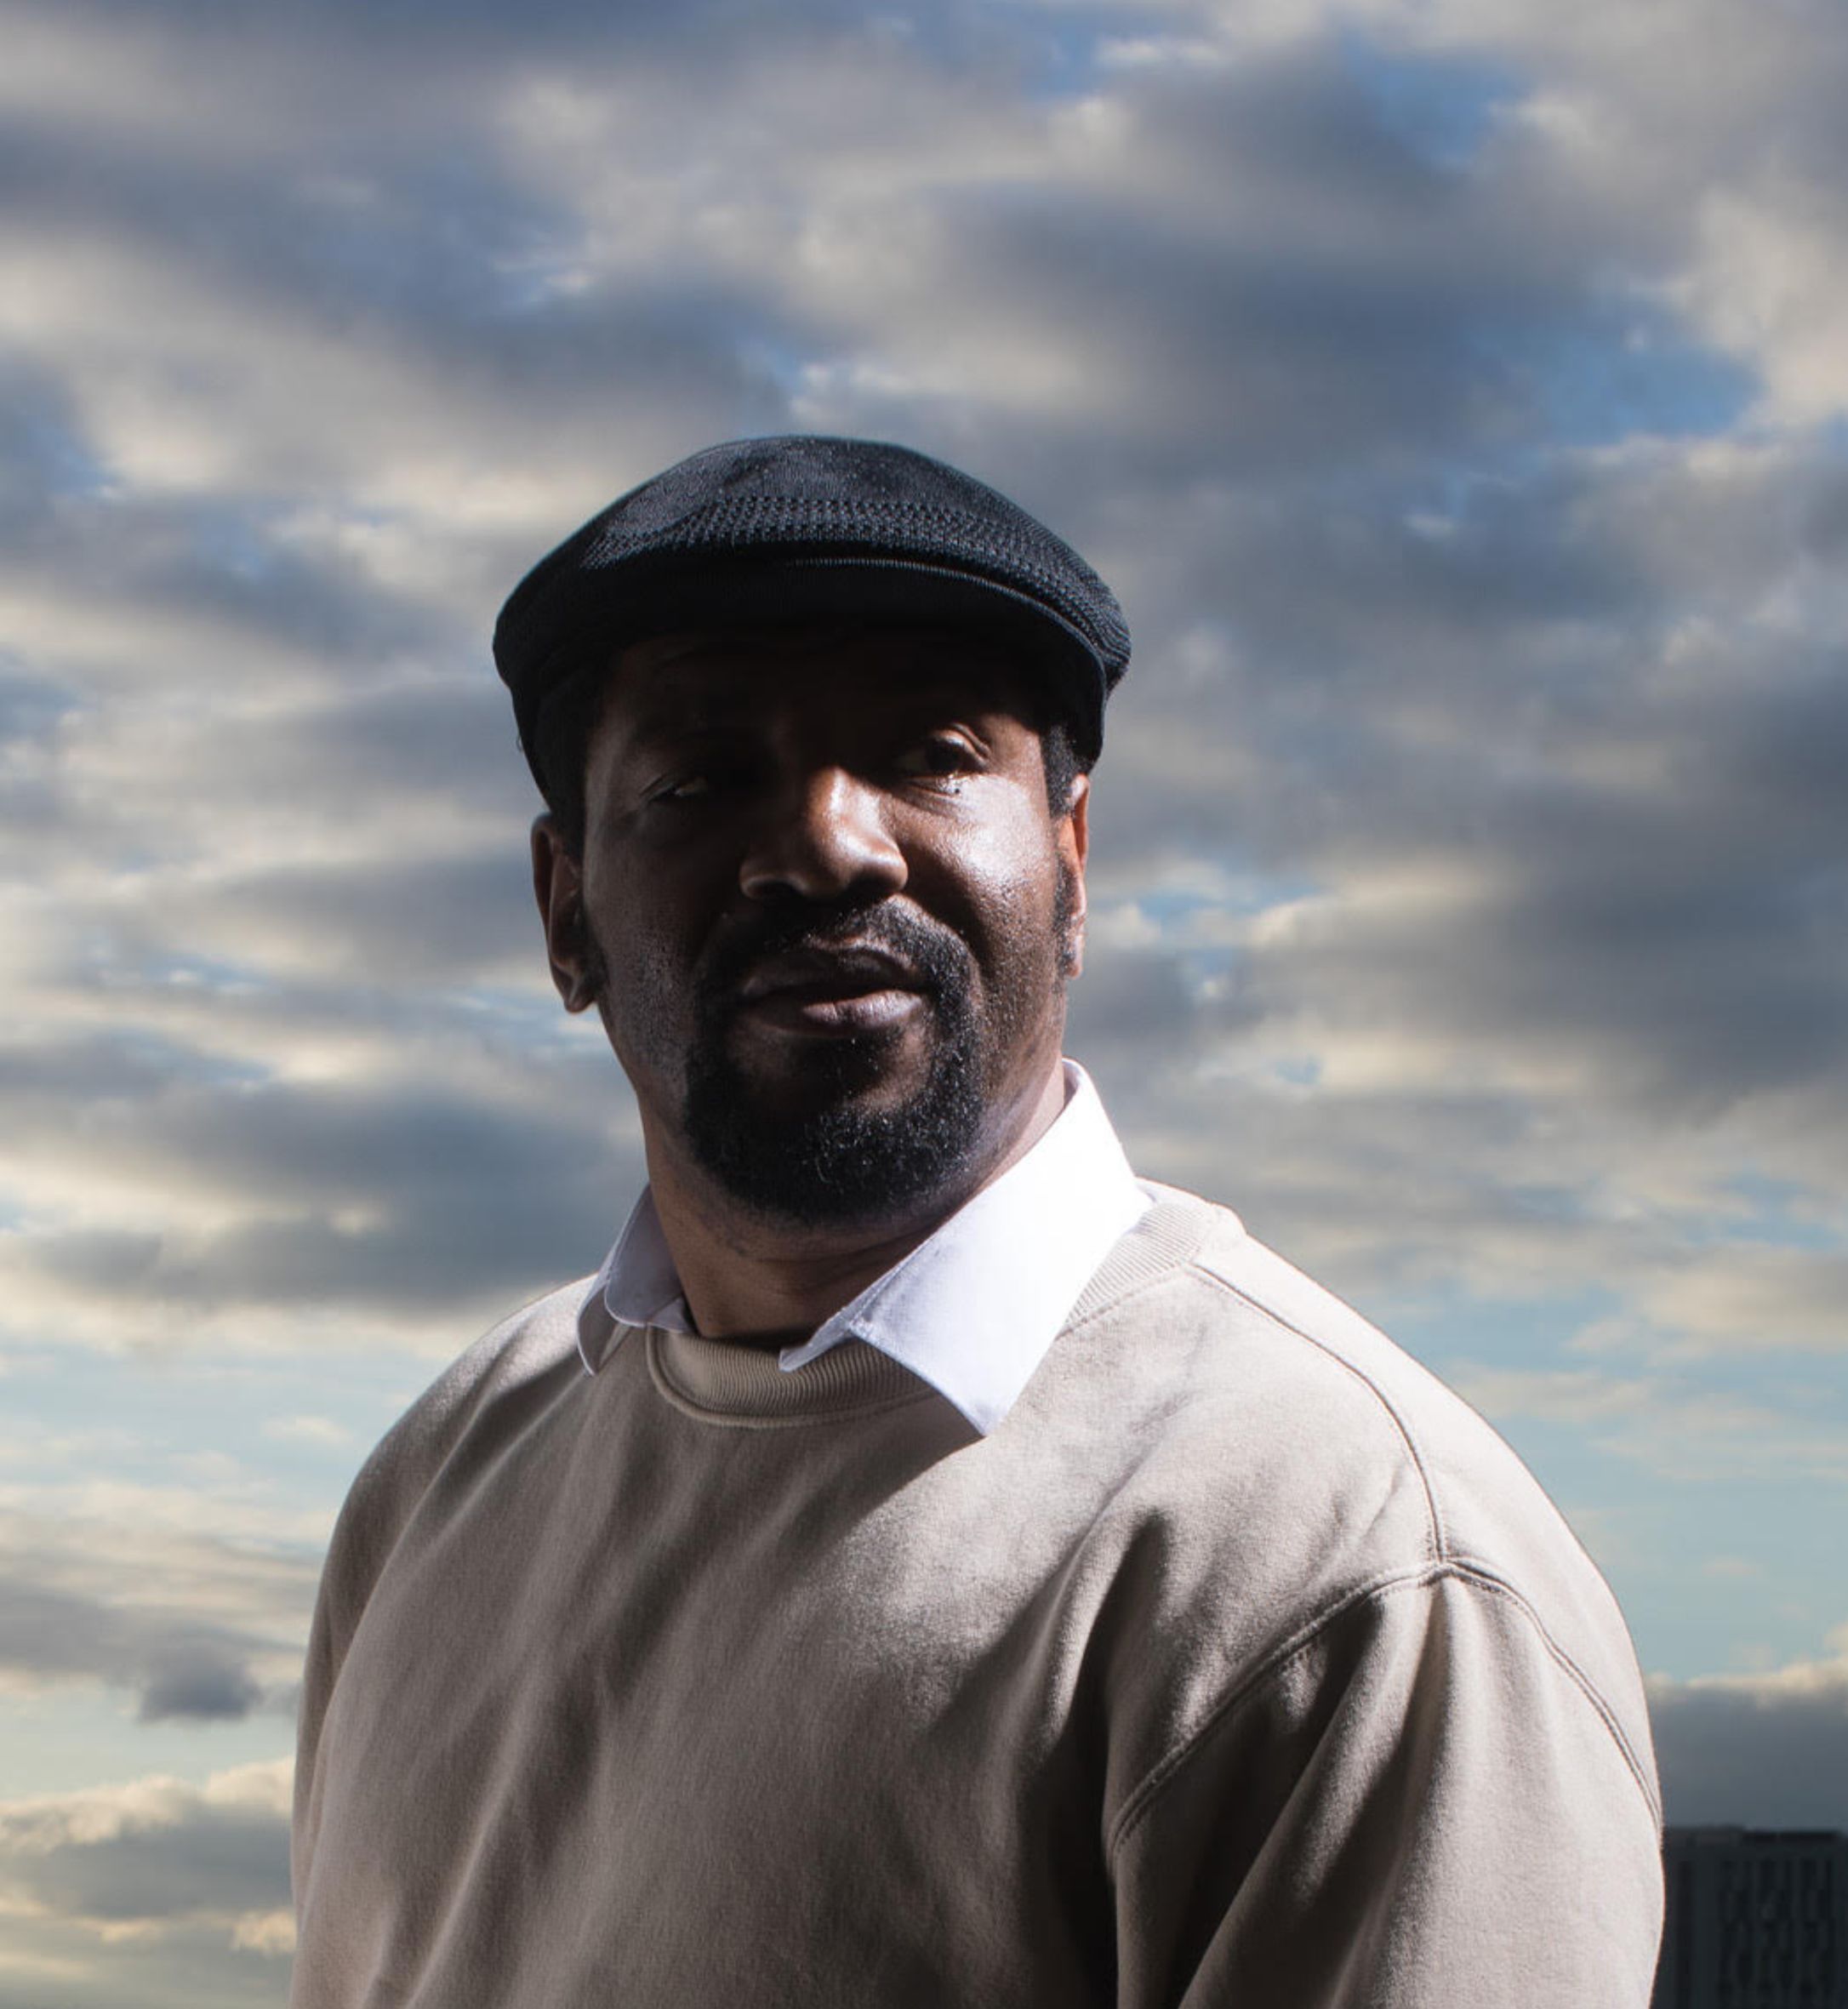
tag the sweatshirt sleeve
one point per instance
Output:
(1421, 1803)
(346, 1579)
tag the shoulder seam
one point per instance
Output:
(1144, 1796)
(1484, 1578)
(1440, 1535)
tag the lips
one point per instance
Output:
(830, 991)
(827, 973)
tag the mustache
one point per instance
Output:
(935, 957)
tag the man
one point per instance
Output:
(926, 1565)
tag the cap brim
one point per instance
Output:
(593, 618)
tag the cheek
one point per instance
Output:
(641, 940)
(647, 906)
(1011, 878)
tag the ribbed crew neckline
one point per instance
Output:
(721, 1381)
(726, 1382)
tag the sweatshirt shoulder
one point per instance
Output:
(1255, 1342)
(1485, 1508)
(530, 1349)
(1339, 1464)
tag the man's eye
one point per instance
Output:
(680, 788)
(700, 784)
(936, 758)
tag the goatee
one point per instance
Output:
(829, 1158)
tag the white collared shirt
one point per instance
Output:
(972, 1309)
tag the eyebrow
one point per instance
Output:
(650, 723)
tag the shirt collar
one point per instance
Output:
(971, 1309)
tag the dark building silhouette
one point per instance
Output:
(1757, 1919)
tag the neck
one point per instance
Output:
(756, 1280)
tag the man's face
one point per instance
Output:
(827, 912)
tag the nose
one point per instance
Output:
(822, 837)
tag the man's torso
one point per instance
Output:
(687, 1684)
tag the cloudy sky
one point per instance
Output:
(1456, 392)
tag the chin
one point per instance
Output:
(806, 1078)
(853, 1132)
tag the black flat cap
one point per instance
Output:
(807, 527)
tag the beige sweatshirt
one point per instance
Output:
(1241, 1666)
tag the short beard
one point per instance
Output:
(835, 1162)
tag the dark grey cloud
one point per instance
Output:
(423, 923)
(1762, 1755)
(1281, 280)
(1686, 989)
(228, 1861)
(1481, 595)
(205, 818)
(1244, 346)
(1566, 691)
(449, 739)
(704, 38)
(107, 1069)
(1145, 999)
(165, 1895)
(1492, 1207)
(506, 1242)
(449, 258)
(197, 1687)
(181, 1667)
(1272, 281)
(186, 1969)
(165, 562)
(399, 234)
(475, 29)
(420, 254)
(415, 1194)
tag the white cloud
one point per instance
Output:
(1667, 1423)
(1745, 1300)
(308, 1429)
(1768, 285)
(156, 1886)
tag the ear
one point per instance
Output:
(1072, 834)
(558, 887)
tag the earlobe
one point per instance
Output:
(557, 887)
(577, 987)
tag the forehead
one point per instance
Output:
(670, 682)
